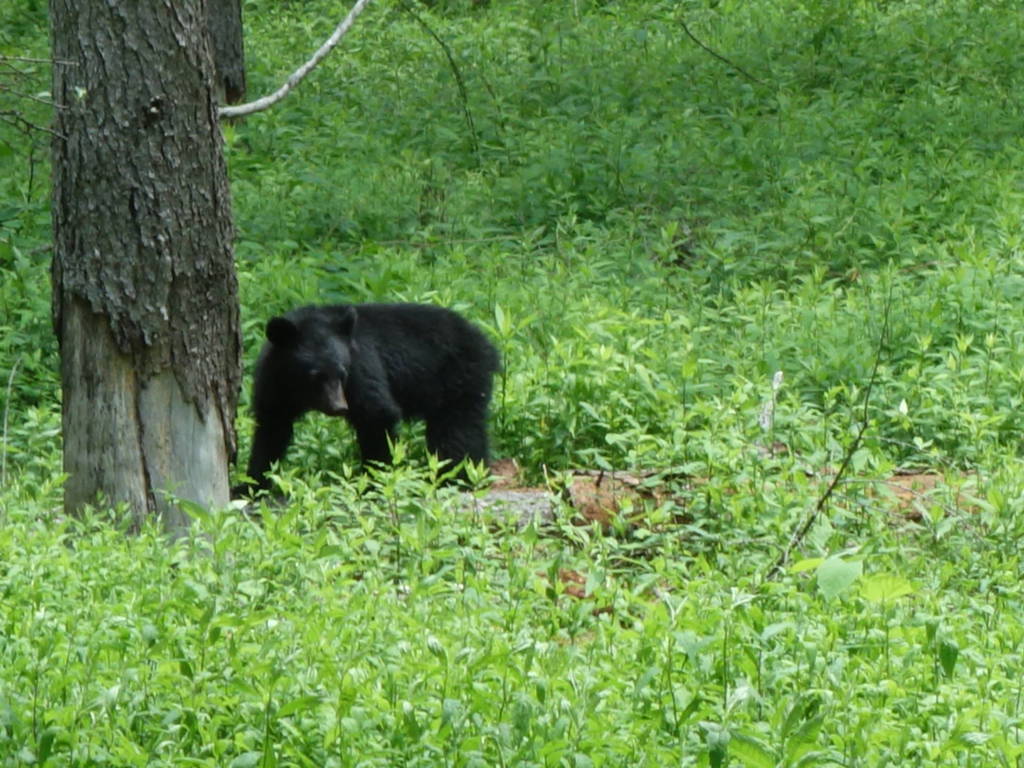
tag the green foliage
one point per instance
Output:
(651, 238)
(401, 627)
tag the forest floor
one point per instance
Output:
(625, 497)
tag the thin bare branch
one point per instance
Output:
(717, 55)
(25, 59)
(299, 74)
(15, 120)
(801, 532)
(29, 97)
(459, 82)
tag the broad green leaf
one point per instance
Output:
(246, 760)
(885, 588)
(299, 704)
(836, 575)
(501, 321)
(808, 564)
(804, 739)
(773, 629)
(949, 652)
(751, 752)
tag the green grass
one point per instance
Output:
(649, 236)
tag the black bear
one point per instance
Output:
(374, 364)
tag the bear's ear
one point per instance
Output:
(346, 322)
(282, 332)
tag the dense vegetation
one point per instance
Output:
(650, 234)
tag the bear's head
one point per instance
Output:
(313, 346)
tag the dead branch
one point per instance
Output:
(801, 531)
(299, 74)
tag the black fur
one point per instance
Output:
(376, 365)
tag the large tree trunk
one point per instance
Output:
(144, 289)
(225, 25)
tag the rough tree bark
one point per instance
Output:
(144, 289)
(224, 20)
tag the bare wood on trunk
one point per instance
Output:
(145, 297)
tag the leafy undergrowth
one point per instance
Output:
(712, 295)
(386, 622)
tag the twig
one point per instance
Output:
(299, 74)
(15, 120)
(10, 74)
(5, 59)
(801, 532)
(29, 97)
(7, 408)
(717, 55)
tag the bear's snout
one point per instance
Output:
(335, 403)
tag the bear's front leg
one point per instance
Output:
(269, 444)
(373, 436)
